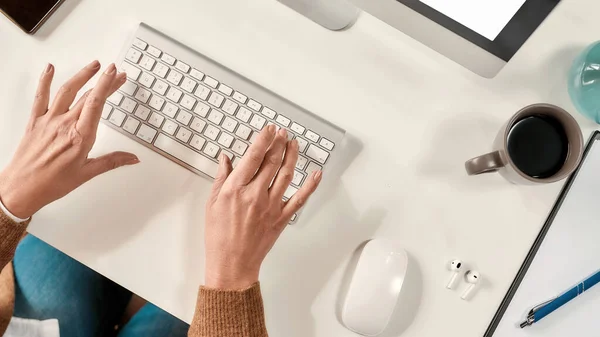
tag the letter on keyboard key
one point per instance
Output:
(154, 51)
(291, 190)
(131, 125)
(197, 142)
(117, 117)
(142, 95)
(230, 107)
(188, 85)
(147, 80)
(160, 87)
(146, 133)
(156, 102)
(202, 92)
(211, 82)
(201, 109)
(156, 119)
(161, 70)
(133, 55)
(215, 117)
(243, 132)
(142, 112)
(183, 135)
(188, 102)
(317, 154)
(225, 139)
(229, 124)
(174, 94)
(133, 72)
(128, 104)
(106, 111)
(211, 150)
(170, 110)
(140, 44)
(170, 127)
(129, 88)
(187, 155)
(170, 60)
(198, 125)
(239, 147)
(211, 132)
(184, 117)
(258, 122)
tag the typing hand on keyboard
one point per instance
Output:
(245, 213)
(52, 159)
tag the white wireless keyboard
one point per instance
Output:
(191, 109)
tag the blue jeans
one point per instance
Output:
(50, 284)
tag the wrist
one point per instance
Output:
(12, 200)
(229, 279)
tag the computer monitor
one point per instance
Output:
(480, 35)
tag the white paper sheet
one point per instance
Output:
(486, 17)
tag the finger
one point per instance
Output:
(222, 174)
(67, 93)
(254, 157)
(117, 83)
(97, 166)
(286, 172)
(272, 161)
(299, 199)
(92, 110)
(42, 96)
(80, 102)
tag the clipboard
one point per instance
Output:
(556, 260)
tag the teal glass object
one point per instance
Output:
(584, 82)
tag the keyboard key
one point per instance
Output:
(225, 90)
(254, 105)
(202, 92)
(188, 85)
(147, 80)
(312, 136)
(133, 55)
(147, 62)
(128, 104)
(311, 168)
(243, 132)
(240, 97)
(317, 153)
(281, 119)
(211, 82)
(230, 107)
(269, 113)
(187, 155)
(197, 142)
(140, 44)
(182, 66)
(257, 122)
(239, 147)
(184, 117)
(154, 51)
(211, 149)
(170, 60)
(142, 95)
(106, 111)
(174, 77)
(301, 163)
(297, 128)
(326, 143)
(169, 127)
(211, 132)
(160, 87)
(170, 110)
(117, 117)
(195, 73)
(188, 102)
(229, 124)
(244, 115)
(128, 87)
(225, 139)
(156, 119)
(216, 99)
(183, 135)
(146, 133)
(201, 109)
(156, 103)
(298, 177)
(291, 190)
(302, 144)
(198, 124)
(142, 112)
(174, 94)
(161, 69)
(131, 125)
(133, 73)
(215, 117)
(115, 98)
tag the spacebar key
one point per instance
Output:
(186, 155)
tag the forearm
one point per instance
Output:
(229, 313)
(11, 233)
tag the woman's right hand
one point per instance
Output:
(245, 213)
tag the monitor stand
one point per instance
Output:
(331, 14)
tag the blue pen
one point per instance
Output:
(542, 310)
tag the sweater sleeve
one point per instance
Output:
(11, 233)
(229, 313)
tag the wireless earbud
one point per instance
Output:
(454, 267)
(472, 277)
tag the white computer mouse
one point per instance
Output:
(375, 287)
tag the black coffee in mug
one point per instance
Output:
(538, 146)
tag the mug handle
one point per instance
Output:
(487, 163)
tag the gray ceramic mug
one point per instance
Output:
(500, 161)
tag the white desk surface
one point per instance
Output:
(418, 115)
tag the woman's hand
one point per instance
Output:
(52, 159)
(245, 214)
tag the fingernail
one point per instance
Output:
(122, 77)
(295, 143)
(271, 128)
(318, 176)
(111, 69)
(222, 159)
(283, 133)
(133, 160)
(94, 65)
(48, 68)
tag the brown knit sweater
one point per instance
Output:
(219, 313)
